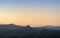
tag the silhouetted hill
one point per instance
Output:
(49, 31)
(15, 31)
(12, 31)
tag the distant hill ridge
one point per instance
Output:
(14, 31)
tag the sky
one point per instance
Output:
(32, 12)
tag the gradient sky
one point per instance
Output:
(33, 12)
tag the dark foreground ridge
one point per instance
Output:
(14, 31)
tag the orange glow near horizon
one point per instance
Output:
(32, 20)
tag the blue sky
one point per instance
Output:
(30, 1)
